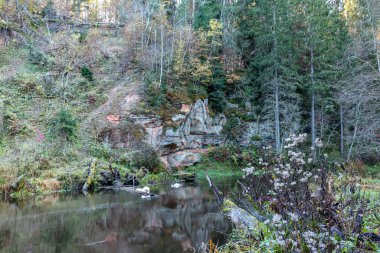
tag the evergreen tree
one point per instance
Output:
(325, 35)
(266, 36)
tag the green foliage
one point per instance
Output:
(101, 150)
(235, 155)
(49, 10)
(82, 37)
(28, 158)
(373, 170)
(29, 82)
(256, 137)
(64, 125)
(37, 57)
(145, 158)
(208, 11)
(87, 73)
(293, 195)
(155, 95)
(216, 170)
(233, 128)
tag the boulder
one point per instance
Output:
(183, 158)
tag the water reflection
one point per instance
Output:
(177, 221)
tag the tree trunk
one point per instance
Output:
(355, 132)
(155, 50)
(162, 55)
(313, 127)
(374, 33)
(321, 125)
(173, 43)
(276, 87)
(193, 13)
(341, 130)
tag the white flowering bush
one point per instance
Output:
(306, 209)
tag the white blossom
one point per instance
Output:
(293, 216)
(318, 143)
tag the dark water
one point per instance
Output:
(176, 221)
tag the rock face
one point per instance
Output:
(263, 130)
(192, 132)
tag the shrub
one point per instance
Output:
(64, 125)
(155, 95)
(235, 155)
(87, 73)
(28, 158)
(233, 128)
(101, 150)
(37, 57)
(306, 209)
(373, 170)
(143, 158)
(28, 82)
(82, 37)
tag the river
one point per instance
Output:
(177, 220)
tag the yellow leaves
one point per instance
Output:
(179, 58)
(212, 247)
(216, 28)
(201, 71)
(215, 32)
(233, 78)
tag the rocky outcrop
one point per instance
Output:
(190, 133)
(255, 132)
(183, 158)
(179, 142)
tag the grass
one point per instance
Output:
(216, 170)
(373, 171)
(371, 186)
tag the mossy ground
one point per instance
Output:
(216, 170)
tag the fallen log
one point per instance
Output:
(238, 216)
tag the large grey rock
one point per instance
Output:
(194, 130)
(183, 158)
(264, 130)
(190, 133)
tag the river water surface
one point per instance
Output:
(178, 220)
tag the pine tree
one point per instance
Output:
(266, 35)
(324, 36)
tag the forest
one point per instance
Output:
(136, 119)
